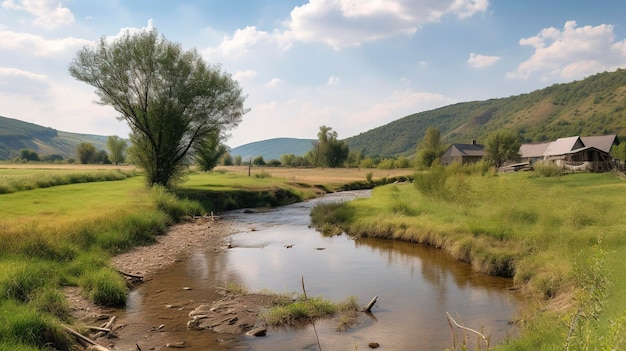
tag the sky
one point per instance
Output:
(351, 65)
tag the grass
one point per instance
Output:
(59, 227)
(533, 229)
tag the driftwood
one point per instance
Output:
(368, 309)
(108, 326)
(453, 322)
(94, 345)
(105, 330)
(134, 276)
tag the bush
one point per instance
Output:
(547, 169)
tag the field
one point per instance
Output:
(560, 238)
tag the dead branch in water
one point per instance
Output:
(312, 321)
(94, 345)
(368, 309)
(452, 322)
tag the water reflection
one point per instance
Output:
(416, 286)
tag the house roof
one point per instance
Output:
(563, 146)
(533, 150)
(601, 142)
(470, 149)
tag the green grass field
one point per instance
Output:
(561, 239)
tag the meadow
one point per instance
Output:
(562, 240)
(60, 225)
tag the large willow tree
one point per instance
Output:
(171, 99)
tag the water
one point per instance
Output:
(276, 250)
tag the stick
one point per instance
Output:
(80, 336)
(468, 329)
(106, 326)
(99, 329)
(368, 309)
(130, 275)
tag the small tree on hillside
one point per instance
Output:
(28, 155)
(429, 149)
(501, 146)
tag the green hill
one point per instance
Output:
(272, 149)
(16, 135)
(593, 106)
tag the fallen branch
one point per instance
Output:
(94, 345)
(486, 340)
(105, 330)
(108, 326)
(368, 309)
(130, 275)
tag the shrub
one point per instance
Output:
(547, 169)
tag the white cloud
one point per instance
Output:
(38, 46)
(341, 23)
(48, 13)
(238, 45)
(332, 80)
(244, 75)
(405, 102)
(130, 31)
(273, 83)
(16, 82)
(574, 52)
(480, 61)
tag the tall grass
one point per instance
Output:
(38, 180)
(533, 229)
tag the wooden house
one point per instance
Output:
(574, 153)
(463, 153)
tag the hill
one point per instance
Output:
(16, 135)
(272, 149)
(593, 106)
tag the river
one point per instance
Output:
(416, 286)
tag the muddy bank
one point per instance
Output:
(182, 240)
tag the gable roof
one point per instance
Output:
(601, 142)
(470, 149)
(563, 146)
(533, 150)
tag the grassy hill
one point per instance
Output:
(16, 135)
(593, 106)
(272, 149)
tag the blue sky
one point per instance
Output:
(352, 65)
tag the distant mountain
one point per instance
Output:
(593, 106)
(272, 149)
(16, 135)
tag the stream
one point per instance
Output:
(277, 251)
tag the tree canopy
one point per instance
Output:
(328, 151)
(117, 147)
(501, 146)
(429, 149)
(171, 99)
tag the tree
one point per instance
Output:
(86, 153)
(430, 148)
(117, 146)
(328, 151)
(501, 146)
(237, 160)
(28, 155)
(209, 153)
(170, 98)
